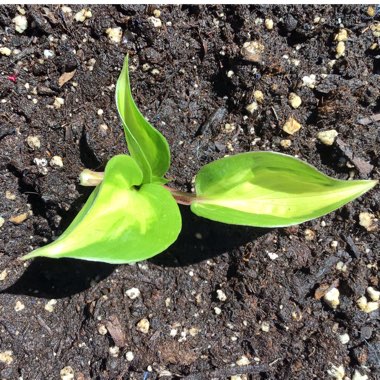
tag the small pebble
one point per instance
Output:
(19, 306)
(50, 305)
(230, 74)
(155, 72)
(265, 326)
(193, 331)
(143, 326)
(5, 51)
(309, 234)
(291, 126)
(21, 10)
(272, 255)
(67, 373)
(56, 162)
(373, 294)
(66, 9)
(48, 53)
(2, 221)
(3, 275)
(129, 356)
(344, 338)
(268, 23)
(375, 28)
(337, 373)
(133, 293)
(368, 221)
(252, 107)
(6, 357)
(342, 35)
(294, 100)
(115, 34)
(229, 127)
(340, 49)
(145, 67)
(58, 102)
(221, 295)
(155, 21)
(341, 266)
(371, 12)
(157, 13)
(259, 96)
(252, 51)
(243, 361)
(114, 351)
(358, 376)
(286, 143)
(100, 112)
(18, 219)
(309, 81)
(21, 23)
(332, 298)
(217, 310)
(367, 307)
(33, 142)
(83, 15)
(327, 137)
(173, 332)
(9, 195)
(102, 329)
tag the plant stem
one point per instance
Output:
(181, 197)
(90, 178)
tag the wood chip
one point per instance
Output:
(362, 166)
(116, 330)
(65, 77)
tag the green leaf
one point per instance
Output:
(146, 145)
(122, 221)
(267, 189)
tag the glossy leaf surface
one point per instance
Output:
(123, 221)
(267, 189)
(146, 145)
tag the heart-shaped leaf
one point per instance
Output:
(267, 189)
(123, 221)
(146, 145)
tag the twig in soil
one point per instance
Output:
(44, 325)
(227, 372)
(354, 250)
(275, 113)
(374, 351)
(362, 166)
(215, 118)
(369, 120)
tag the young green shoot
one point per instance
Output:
(133, 214)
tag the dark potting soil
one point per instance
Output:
(223, 300)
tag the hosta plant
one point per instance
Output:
(132, 214)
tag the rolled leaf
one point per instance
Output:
(123, 221)
(145, 144)
(267, 189)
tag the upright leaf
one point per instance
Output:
(146, 145)
(268, 189)
(123, 221)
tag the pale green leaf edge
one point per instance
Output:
(161, 194)
(154, 160)
(216, 213)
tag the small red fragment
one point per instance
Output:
(12, 78)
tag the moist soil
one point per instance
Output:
(223, 300)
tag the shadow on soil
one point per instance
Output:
(200, 239)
